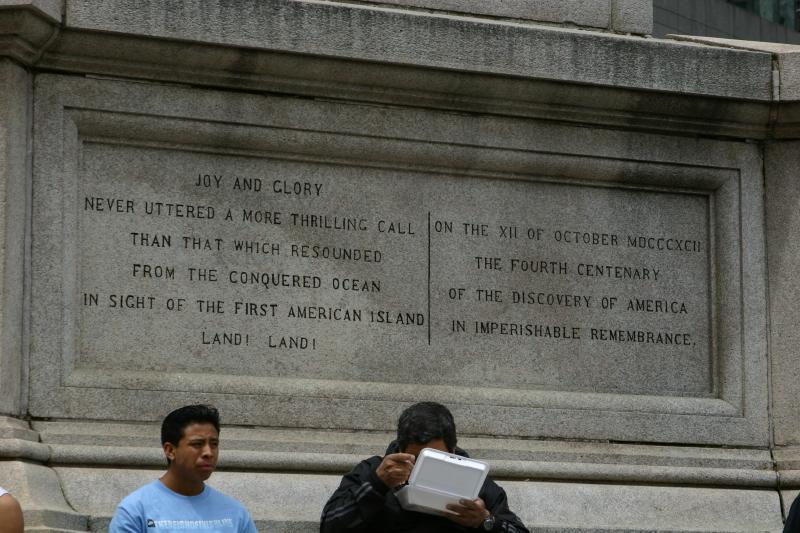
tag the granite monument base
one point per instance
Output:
(311, 214)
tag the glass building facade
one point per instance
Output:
(782, 12)
(751, 20)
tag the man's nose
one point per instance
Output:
(207, 451)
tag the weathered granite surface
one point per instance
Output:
(787, 499)
(784, 255)
(104, 203)
(472, 112)
(51, 8)
(627, 16)
(441, 41)
(785, 80)
(15, 101)
(781, 185)
(248, 449)
(27, 27)
(259, 466)
(287, 502)
(39, 491)
(468, 64)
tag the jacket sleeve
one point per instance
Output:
(494, 497)
(359, 499)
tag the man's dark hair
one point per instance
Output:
(424, 422)
(174, 423)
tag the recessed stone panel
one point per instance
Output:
(541, 280)
(205, 263)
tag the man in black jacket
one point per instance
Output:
(365, 500)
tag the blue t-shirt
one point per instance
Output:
(156, 509)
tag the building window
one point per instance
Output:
(783, 12)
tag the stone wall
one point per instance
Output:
(312, 214)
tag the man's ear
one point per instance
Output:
(169, 451)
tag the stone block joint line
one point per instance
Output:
(429, 278)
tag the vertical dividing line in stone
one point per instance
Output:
(429, 278)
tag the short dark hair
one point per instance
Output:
(424, 422)
(174, 423)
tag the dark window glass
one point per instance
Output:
(779, 11)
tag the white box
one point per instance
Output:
(440, 478)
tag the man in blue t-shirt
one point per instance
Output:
(180, 500)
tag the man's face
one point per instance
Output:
(195, 456)
(437, 444)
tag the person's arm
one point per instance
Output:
(10, 515)
(360, 497)
(497, 504)
(124, 522)
(247, 525)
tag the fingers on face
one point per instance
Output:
(402, 458)
(396, 461)
(402, 467)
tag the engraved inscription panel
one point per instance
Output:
(238, 265)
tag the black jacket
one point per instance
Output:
(364, 504)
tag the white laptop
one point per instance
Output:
(439, 478)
